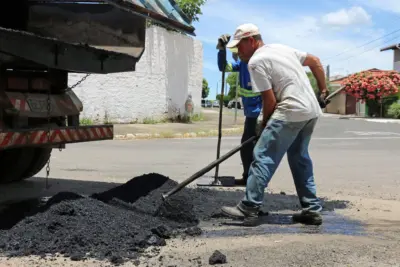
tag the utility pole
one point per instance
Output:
(216, 92)
(236, 96)
(328, 73)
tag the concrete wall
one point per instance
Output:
(337, 105)
(170, 70)
(396, 60)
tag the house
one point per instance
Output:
(396, 55)
(342, 103)
(345, 104)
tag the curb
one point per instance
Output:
(392, 121)
(140, 136)
(359, 118)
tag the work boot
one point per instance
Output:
(248, 214)
(241, 182)
(308, 217)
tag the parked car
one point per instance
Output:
(231, 104)
(206, 103)
(215, 104)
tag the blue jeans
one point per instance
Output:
(278, 138)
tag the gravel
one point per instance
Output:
(118, 224)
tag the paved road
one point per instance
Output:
(352, 157)
(354, 161)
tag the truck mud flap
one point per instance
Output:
(59, 135)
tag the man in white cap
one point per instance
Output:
(290, 112)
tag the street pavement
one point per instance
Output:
(209, 122)
(355, 157)
(355, 162)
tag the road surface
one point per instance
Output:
(356, 167)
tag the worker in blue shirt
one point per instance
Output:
(252, 102)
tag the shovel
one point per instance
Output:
(207, 168)
(216, 162)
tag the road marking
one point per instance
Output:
(357, 138)
(313, 138)
(372, 133)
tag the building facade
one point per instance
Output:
(169, 74)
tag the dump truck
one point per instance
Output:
(41, 43)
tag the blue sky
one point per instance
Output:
(334, 30)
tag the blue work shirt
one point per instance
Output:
(251, 105)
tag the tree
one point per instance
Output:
(225, 100)
(377, 89)
(367, 85)
(314, 83)
(231, 81)
(205, 90)
(191, 8)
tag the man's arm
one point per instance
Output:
(268, 105)
(261, 82)
(229, 67)
(317, 70)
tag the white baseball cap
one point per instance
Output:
(243, 31)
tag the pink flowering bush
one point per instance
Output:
(369, 85)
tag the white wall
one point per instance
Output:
(170, 69)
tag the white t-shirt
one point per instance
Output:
(279, 67)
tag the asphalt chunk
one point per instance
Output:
(114, 225)
(217, 258)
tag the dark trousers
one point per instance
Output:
(246, 153)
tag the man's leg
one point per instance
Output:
(268, 153)
(246, 153)
(302, 170)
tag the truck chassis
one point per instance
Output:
(41, 42)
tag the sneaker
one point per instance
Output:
(249, 215)
(308, 217)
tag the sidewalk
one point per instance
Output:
(353, 117)
(206, 127)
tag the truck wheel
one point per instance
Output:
(40, 158)
(14, 162)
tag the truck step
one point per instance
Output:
(58, 135)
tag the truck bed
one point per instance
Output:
(89, 37)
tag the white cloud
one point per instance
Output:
(344, 17)
(303, 32)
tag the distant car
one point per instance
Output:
(215, 104)
(231, 104)
(206, 103)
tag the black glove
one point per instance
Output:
(223, 40)
(322, 99)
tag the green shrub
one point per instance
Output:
(394, 110)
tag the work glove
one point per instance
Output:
(223, 40)
(322, 99)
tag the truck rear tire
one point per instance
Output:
(14, 163)
(39, 160)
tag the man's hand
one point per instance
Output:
(223, 40)
(321, 96)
